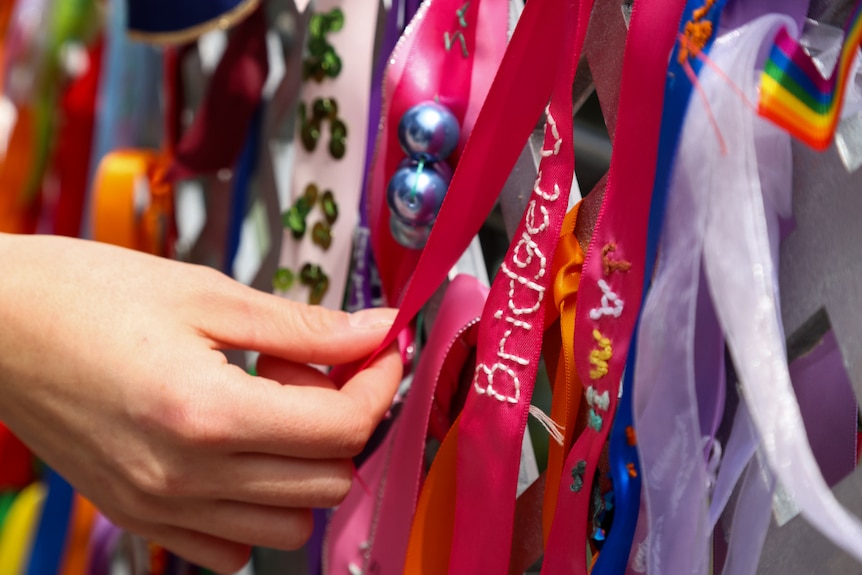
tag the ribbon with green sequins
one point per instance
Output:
(330, 140)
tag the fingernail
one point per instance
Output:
(374, 318)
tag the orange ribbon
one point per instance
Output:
(77, 540)
(132, 203)
(566, 388)
(434, 522)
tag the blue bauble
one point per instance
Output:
(410, 236)
(428, 131)
(416, 192)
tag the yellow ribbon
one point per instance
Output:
(19, 529)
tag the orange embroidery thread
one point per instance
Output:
(631, 436)
(611, 265)
(697, 33)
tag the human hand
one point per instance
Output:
(111, 371)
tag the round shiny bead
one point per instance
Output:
(428, 131)
(416, 191)
(411, 237)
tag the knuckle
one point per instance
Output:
(202, 429)
(157, 479)
(312, 321)
(337, 483)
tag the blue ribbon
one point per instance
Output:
(50, 541)
(239, 193)
(163, 16)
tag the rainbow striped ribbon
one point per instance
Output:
(795, 96)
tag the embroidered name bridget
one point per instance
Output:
(525, 267)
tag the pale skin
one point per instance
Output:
(111, 371)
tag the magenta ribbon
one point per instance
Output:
(495, 415)
(421, 69)
(612, 280)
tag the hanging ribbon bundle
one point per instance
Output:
(679, 419)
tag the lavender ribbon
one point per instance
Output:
(364, 284)
(665, 398)
(740, 260)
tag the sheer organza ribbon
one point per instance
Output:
(740, 260)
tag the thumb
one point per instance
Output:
(249, 319)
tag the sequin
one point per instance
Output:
(282, 280)
(322, 61)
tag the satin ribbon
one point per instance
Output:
(458, 82)
(75, 556)
(19, 529)
(741, 271)
(17, 468)
(625, 467)
(245, 169)
(364, 284)
(132, 206)
(218, 132)
(50, 535)
(530, 60)
(369, 531)
(510, 336)
(71, 163)
(567, 387)
(18, 210)
(354, 43)
(21, 51)
(38, 34)
(613, 271)
(670, 435)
